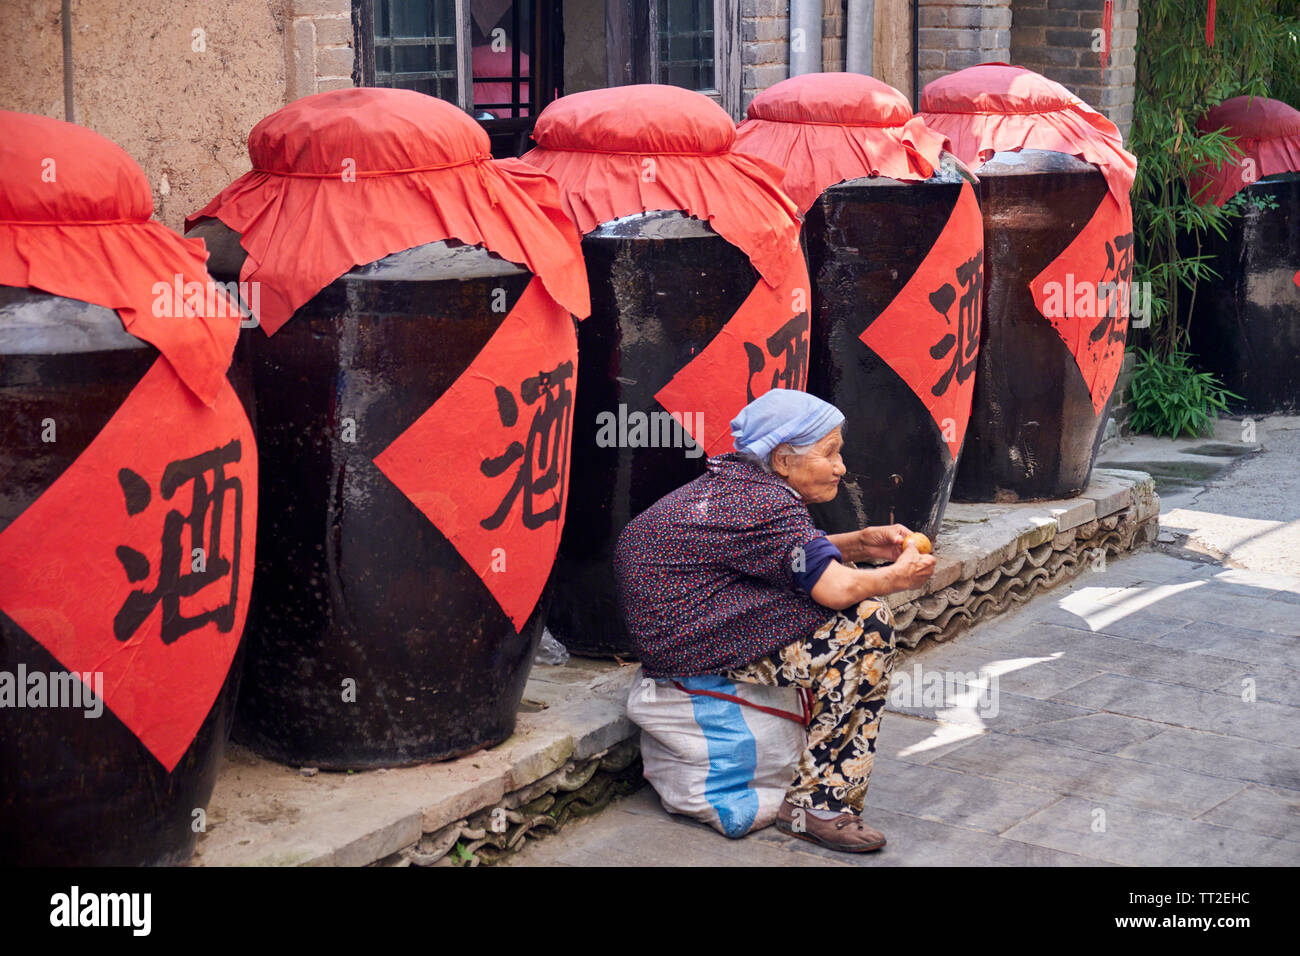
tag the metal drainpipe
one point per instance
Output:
(805, 16)
(859, 37)
(68, 112)
(916, 55)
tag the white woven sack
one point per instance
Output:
(717, 761)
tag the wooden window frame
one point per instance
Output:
(632, 48)
(363, 70)
(509, 134)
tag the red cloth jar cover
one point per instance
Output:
(98, 569)
(824, 128)
(1268, 135)
(994, 107)
(344, 178)
(632, 149)
(75, 222)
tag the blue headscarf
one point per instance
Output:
(783, 415)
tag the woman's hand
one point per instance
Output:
(884, 542)
(841, 587)
(912, 569)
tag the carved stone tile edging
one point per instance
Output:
(578, 789)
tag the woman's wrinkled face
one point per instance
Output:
(816, 473)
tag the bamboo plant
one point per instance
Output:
(1179, 77)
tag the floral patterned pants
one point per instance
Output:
(846, 665)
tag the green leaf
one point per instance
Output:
(460, 853)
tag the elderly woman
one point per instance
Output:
(728, 575)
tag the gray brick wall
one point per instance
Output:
(1055, 38)
(832, 35)
(955, 34)
(318, 46)
(765, 46)
(1052, 37)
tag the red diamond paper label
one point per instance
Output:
(137, 561)
(930, 333)
(763, 346)
(488, 462)
(1084, 293)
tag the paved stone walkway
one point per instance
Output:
(1125, 733)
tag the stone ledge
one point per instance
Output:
(978, 537)
(266, 814)
(990, 558)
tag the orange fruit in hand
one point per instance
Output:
(919, 541)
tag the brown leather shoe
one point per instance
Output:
(846, 833)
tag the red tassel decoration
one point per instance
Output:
(1209, 25)
(1107, 22)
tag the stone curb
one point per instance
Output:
(267, 814)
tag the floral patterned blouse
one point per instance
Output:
(716, 575)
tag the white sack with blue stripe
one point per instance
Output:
(717, 761)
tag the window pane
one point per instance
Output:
(415, 46)
(445, 17)
(686, 43)
(413, 18)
